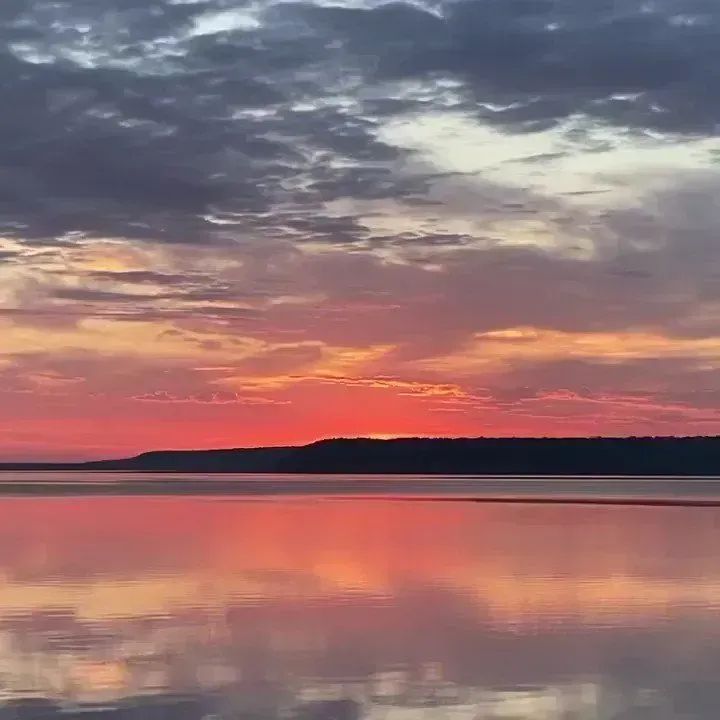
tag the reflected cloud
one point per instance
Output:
(398, 608)
(506, 573)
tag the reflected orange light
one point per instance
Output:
(116, 556)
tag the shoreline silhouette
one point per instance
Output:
(612, 456)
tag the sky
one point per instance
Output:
(265, 223)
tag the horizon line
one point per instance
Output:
(345, 438)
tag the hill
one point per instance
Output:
(471, 456)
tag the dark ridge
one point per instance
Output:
(428, 456)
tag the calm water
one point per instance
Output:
(342, 608)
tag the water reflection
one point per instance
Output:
(348, 609)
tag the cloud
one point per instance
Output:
(152, 122)
(138, 122)
(213, 398)
(533, 63)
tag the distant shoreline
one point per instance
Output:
(559, 457)
(648, 491)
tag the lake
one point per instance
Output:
(402, 600)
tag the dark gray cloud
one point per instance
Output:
(639, 64)
(119, 121)
(147, 120)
